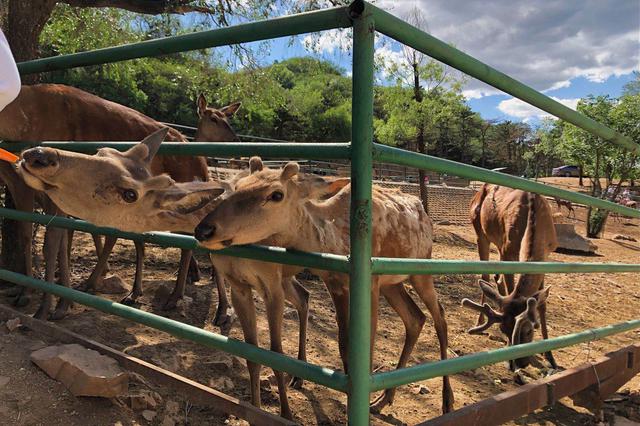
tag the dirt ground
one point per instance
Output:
(577, 302)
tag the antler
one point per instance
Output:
(491, 314)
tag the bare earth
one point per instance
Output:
(576, 302)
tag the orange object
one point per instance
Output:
(8, 156)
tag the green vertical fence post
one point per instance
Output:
(360, 225)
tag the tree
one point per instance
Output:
(602, 159)
(411, 118)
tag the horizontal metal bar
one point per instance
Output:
(302, 23)
(411, 36)
(427, 162)
(447, 367)
(324, 376)
(272, 150)
(324, 261)
(394, 266)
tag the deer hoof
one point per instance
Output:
(296, 383)
(61, 311)
(130, 299)
(386, 398)
(224, 319)
(42, 313)
(21, 301)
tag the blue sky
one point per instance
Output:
(567, 49)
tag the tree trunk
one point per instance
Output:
(421, 174)
(580, 183)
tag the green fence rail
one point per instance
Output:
(337, 151)
(365, 20)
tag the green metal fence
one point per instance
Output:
(365, 20)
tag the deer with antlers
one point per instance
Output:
(520, 225)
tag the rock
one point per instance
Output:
(423, 390)
(624, 237)
(221, 362)
(265, 383)
(621, 421)
(172, 407)
(112, 284)
(13, 324)
(142, 400)
(149, 415)
(168, 421)
(222, 383)
(290, 314)
(83, 371)
(37, 344)
(4, 381)
(568, 239)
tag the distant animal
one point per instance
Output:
(565, 203)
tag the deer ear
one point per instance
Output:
(231, 109)
(255, 164)
(318, 187)
(148, 147)
(542, 295)
(202, 104)
(289, 170)
(190, 197)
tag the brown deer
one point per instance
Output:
(520, 225)
(160, 203)
(565, 203)
(273, 206)
(74, 115)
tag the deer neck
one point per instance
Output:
(316, 226)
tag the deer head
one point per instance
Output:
(262, 205)
(213, 124)
(117, 189)
(517, 316)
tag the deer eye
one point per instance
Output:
(129, 196)
(276, 196)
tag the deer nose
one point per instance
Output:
(40, 158)
(204, 231)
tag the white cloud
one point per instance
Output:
(517, 108)
(328, 42)
(545, 46)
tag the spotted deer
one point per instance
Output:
(273, 206)
(520, 225)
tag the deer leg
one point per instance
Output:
(65, 277)
(136, 291)
(298, 296)
(483, 251)
(274, 301)
(413, 320)
(98, 272)
(181, 281)
(340, 297)
(194, 270)
(242, 299)
(423, 284)
(510, 254)
(70, 233)
(542, 311)
(52, 238)
(97, 241)
(24, 200)
(225, 315)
